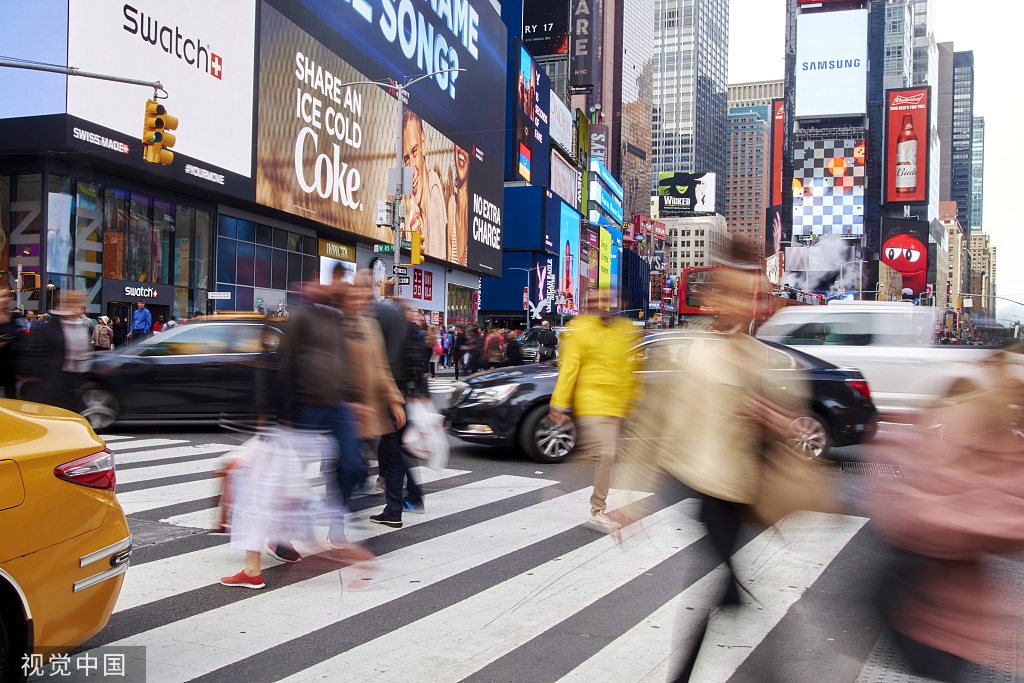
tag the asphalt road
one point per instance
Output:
(498, 581)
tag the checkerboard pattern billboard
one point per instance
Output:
(828, 187)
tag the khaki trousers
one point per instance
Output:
(598, 441)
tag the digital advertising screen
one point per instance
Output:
(685, 194)
(908, 113)
(905, 250)
(569, 258)
(546, 27)
(828, 187)
(324, 147)
(533, 90)
(778, 142)
(831, 63)
(593, 258)
(565, 179)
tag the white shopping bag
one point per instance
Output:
(424, 435)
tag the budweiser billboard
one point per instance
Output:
(906, 145)
(778, 140)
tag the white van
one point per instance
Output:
(892, 343)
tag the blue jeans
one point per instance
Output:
(340, 421)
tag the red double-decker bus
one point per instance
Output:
(701, 279)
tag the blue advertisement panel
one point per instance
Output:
(606, 177)
(601, 196)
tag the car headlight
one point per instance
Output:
(491, 395)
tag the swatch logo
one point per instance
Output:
(170, 40)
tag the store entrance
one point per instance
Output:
(123, 310)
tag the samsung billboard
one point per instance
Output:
(831, 64)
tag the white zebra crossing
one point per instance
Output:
(459, 639)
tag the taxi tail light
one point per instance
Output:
(861, 387)
(95, 471)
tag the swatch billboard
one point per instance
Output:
(908, 112)
(326, 142)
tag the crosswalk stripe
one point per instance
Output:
(190, 571)
(141, 474)
(777, 574)
(143, 443)
(115, 437)
(456, 641)
(204, 519)
(198, 645)
(167, 453)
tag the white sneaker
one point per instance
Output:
(601, 522)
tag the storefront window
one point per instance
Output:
(462, 305)
(202, 246)
(184, 223)
(24, 229)
(115, 233)
(88, 231)
(162, 254)
(60, 210)
(6, 276)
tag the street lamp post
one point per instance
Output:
(528, 272)
(396, 223)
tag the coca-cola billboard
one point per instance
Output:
(906, 145)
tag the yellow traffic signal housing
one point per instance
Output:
(417, 242)
(155, 138)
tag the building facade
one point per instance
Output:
(696, 241)
(261, 191)
(755, 94)
(959, 271)
(961, 167)
(983, 274)
(745, 199)
(977, 172)
(691, 54)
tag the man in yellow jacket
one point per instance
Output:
(597, 385)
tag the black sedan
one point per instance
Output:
(205, 369)
(509, 406)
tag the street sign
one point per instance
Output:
(406, 181)
(218, 295)
(384, 248)
(406, 244)
(403, 280)
(400, 270)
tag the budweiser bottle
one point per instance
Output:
(906, 158)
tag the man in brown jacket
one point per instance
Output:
(337, 380)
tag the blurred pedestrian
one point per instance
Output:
(494, 349)
(57, 355)
(731, 448)
(513, 350)
(459, 349)
(141, 324)
(406, 363)
(10, 339)
(474, 349)
(103, 335)
(432, 350)
(596, 384)
(120, 332)
(171, 323)
(952, 615)
(446, 344)
(547, 340)
(318, 386)
(158, 326)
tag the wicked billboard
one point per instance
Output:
(326, 142)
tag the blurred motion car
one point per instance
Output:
(66, 543)
(894, 344)
(509, 406)
(205, 369)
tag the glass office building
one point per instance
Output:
(977, 172)
(688, 122)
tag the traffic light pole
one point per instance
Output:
(396, 221)
(72, 71)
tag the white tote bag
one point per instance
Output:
(424, 435)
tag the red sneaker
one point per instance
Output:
(243, 579)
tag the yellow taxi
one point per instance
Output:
(64, 540)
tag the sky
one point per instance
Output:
(988, 27)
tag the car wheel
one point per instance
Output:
(99, 407)
(11, 648)
(544, 441)
(809, 437)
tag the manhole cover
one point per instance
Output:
(873, 469)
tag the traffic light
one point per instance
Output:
(417, 242)
(155, 138)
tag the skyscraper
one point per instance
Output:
(977, 171)
(745, 198)
(691, 48)
(960, 188)
(633, 71)
(756, 94)
(899, 44)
